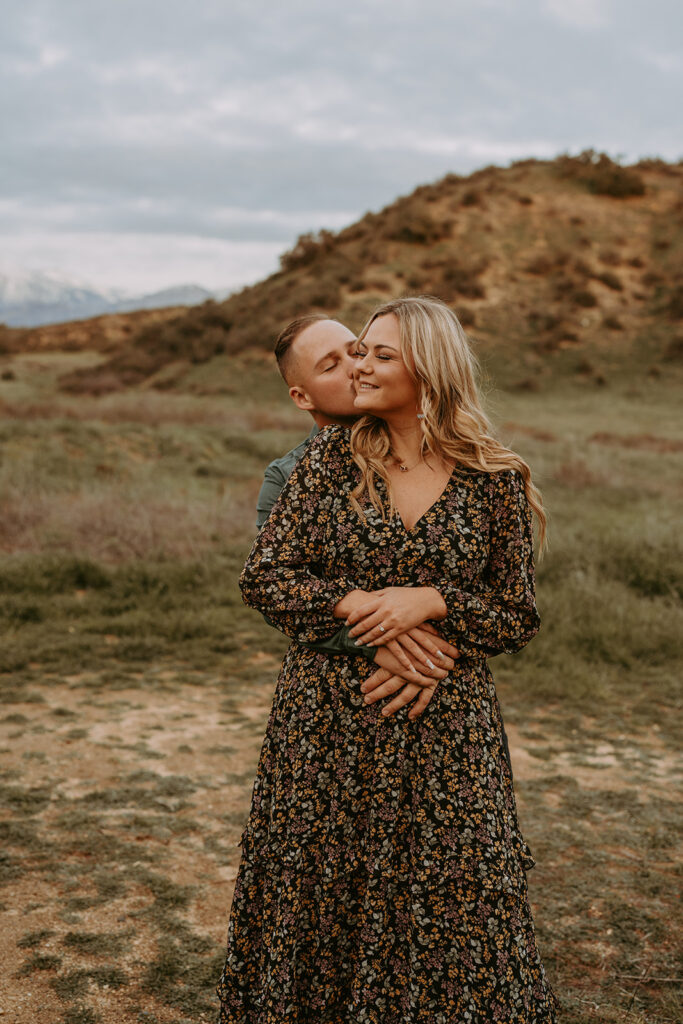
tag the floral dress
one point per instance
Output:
(382, 878)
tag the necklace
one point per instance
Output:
(402, 466)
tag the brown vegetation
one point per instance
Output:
(532, 256)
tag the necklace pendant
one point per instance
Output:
(404, 469)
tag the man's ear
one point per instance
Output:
(301, 399)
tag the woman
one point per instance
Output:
(382, 875)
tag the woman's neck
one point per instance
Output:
(405, 436)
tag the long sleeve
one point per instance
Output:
(274, 479)
(282, 577)
(499, 614)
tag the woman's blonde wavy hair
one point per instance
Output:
(438, 356)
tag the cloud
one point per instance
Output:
(251, 122)
(583, 14)
(135, 263)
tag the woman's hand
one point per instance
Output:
(383, 683)
(387, 613)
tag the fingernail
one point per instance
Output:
(440, 655)
(430, 664)
(363, 688)
(357, 643)
(368, 699)
(413, 669)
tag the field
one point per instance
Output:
(136, 686)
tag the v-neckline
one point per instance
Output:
(408, 530)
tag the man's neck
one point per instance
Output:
(321, 420)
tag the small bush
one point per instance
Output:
(674, 306)
(547, 263)
(674, 350)
(601, 175)
(584, 298)
(415, 226)
(610, 280)
(458, 279)
(307, 250)
(612, 323)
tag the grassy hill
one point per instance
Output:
(571, 266)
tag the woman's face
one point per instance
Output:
(381, 379)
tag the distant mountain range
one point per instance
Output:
(34, 298)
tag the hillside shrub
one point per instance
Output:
(458, 279)
(674, 306)
(472, 197)
(547, 263)
(601, 175)
(307, 249)
(674, 350)
(612, 258)
(584, 298)
(612, 323)
(413, 225)
(610, 280)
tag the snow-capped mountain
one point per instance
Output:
(30, 298)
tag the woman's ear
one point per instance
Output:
(301, 399)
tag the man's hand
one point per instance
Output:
(394, 610)
(425, 648)
(383, 683)
(425, 675)
(350, 603)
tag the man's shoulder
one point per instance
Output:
(281, 468)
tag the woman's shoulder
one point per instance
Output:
(331, 446)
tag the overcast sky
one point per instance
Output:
(147, 143)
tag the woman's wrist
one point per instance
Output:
(437, 603)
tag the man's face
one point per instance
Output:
(321, 380)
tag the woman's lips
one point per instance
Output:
(366, 386)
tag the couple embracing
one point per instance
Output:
(382, 878)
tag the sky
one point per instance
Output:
(148, 143)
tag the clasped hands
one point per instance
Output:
(411, 656)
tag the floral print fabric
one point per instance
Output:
(382, 878)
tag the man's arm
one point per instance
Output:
(274, 479)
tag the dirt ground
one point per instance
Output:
(125, 800)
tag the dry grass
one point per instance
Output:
(136, 685)
(109, 526)
(477, 240)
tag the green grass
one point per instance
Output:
(129, 688)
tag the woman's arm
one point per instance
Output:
(282, 576)
(499, 615)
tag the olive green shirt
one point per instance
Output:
(275, 477)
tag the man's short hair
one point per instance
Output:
(288, 336)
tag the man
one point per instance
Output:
(315, 356)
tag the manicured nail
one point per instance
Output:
(368, 699)
(430, 664)
(439, 654)
(357, 643)
(413, 669)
